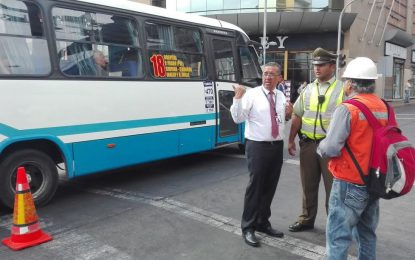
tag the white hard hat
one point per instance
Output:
(361, 68)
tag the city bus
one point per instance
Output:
(95, 85)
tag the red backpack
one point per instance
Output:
(391, 170)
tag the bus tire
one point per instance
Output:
(41, 172)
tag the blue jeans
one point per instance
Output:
(352, 212)
(406, 96)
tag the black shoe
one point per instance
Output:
(270, 231)
(298, 227)
(250, 238)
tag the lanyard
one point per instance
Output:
(275, 99)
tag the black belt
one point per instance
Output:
(266, 142)
(309, 140)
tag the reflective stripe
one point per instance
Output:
(335, 94)
(312, 114)
(336, 98)
(378, 115)
(308, 130)
(311, 118)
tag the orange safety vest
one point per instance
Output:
(359, 140)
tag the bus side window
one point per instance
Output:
(126, 61)
(178, 51)
(27, 55)
(97, 44)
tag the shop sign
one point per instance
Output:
(279, 41)
(395, 51)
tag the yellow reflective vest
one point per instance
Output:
(315, 114)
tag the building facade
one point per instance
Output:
(382, 30)
(159, 3)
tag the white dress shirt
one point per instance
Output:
(254, 109)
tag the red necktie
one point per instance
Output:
(273, 113)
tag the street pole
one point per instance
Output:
(264, 36)
(339, 29)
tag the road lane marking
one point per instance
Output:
(290, 244)
(292, 161)
(71, 245)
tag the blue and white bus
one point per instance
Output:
(102, 84)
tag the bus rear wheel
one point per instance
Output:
(41, 172)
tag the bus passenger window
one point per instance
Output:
(23, 49)
(126, 61)
(175, 52)
(107, 48)
(116, 29)
(187, 40)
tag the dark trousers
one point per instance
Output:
(312, 168)
(264, 165)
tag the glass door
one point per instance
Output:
(397, 79)
(224, 59)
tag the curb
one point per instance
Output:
(400, 103)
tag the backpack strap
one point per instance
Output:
(374, 123)
(391, 114)
(356, 163)
(369, 115)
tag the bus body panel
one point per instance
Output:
(59, 105)
(144, 124)
(112, 153)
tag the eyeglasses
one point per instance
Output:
(271, 75)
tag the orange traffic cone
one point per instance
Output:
(25, 231)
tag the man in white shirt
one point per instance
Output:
(264, 110)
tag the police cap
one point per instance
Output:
(321, 56)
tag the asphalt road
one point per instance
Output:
(190, 208)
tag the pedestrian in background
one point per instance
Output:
(264, 111)
(281, 84)
(407, 91)
(352, 210)
(311, 117)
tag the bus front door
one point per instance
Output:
(224, 56)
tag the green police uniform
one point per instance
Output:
(315, 112)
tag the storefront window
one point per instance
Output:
(299, 68)
(412, 89)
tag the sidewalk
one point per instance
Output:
(399, 103)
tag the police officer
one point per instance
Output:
(311, 117)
